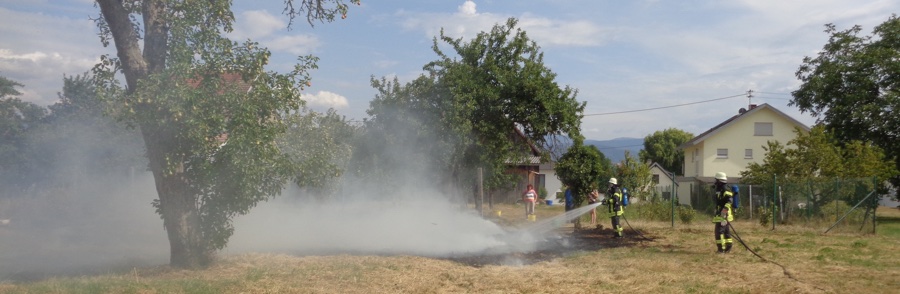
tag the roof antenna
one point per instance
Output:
(749, 96)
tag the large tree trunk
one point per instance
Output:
(178, 205)
(177, 201)
(181, 218)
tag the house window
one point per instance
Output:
(748, 153)
(539, 181)
(656, 179)
(722, 153)
(762, 129)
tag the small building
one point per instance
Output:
(531, 170)
(664, 183)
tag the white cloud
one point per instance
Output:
(256, 24)
(296, 44)
(467, 8)
(548, 32)
(385, 63)
(270, 31)
(41, 73)
(325, 99)
(36, 49)
(467, 22)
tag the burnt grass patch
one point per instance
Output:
(559, 246)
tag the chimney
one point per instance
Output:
(752, 106)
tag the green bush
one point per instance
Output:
(764, 215)
(686, 214)
(660, 211)
(650, 211)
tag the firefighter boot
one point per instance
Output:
(727, 247)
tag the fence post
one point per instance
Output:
(809, 204)
(774, 199)
(874, 207)
(750, 191)
(672, 201)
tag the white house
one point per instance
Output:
(733, 144)
(664, 182)
(550, 181)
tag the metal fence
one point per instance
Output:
(830, 204)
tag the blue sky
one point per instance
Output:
(620, 55)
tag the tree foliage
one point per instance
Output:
(853, 87)
(17, 119)
(187, 86)
(464, 113)
(580, 168)
(63, 148)
(662, 147)
(635, 175)
(76, 141)
(319, 146)
(817, 156)
(406, 136)
(8, 88)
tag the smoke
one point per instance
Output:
(398, 196)
(421, 222)
(90, 213)
(101, 227)
(87, 210)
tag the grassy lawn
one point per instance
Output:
(889, 222)
(677, 260)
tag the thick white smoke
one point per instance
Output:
(415, 223)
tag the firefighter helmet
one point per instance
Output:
(721, 176)
(613, 181)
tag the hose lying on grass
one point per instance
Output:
(636, 231)
(783, 268)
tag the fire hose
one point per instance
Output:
(783, 268)
(632, 228)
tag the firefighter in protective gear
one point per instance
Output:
(723, 199)
(615, 207)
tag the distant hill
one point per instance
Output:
(615, 149)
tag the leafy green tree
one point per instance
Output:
(465, 113)
(8, 88)
(78, 98)
(662, 147)
(816, 159)
(17, 119)
(635, 175)
(580, 168)
(319, 146)
(76, 140)
(851, 86)
(496, 83)
(407, 137)
(775, 163)
(187, 87)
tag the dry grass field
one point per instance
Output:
(669, 260)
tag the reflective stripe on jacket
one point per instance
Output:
(614, 202)
(723, 202)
